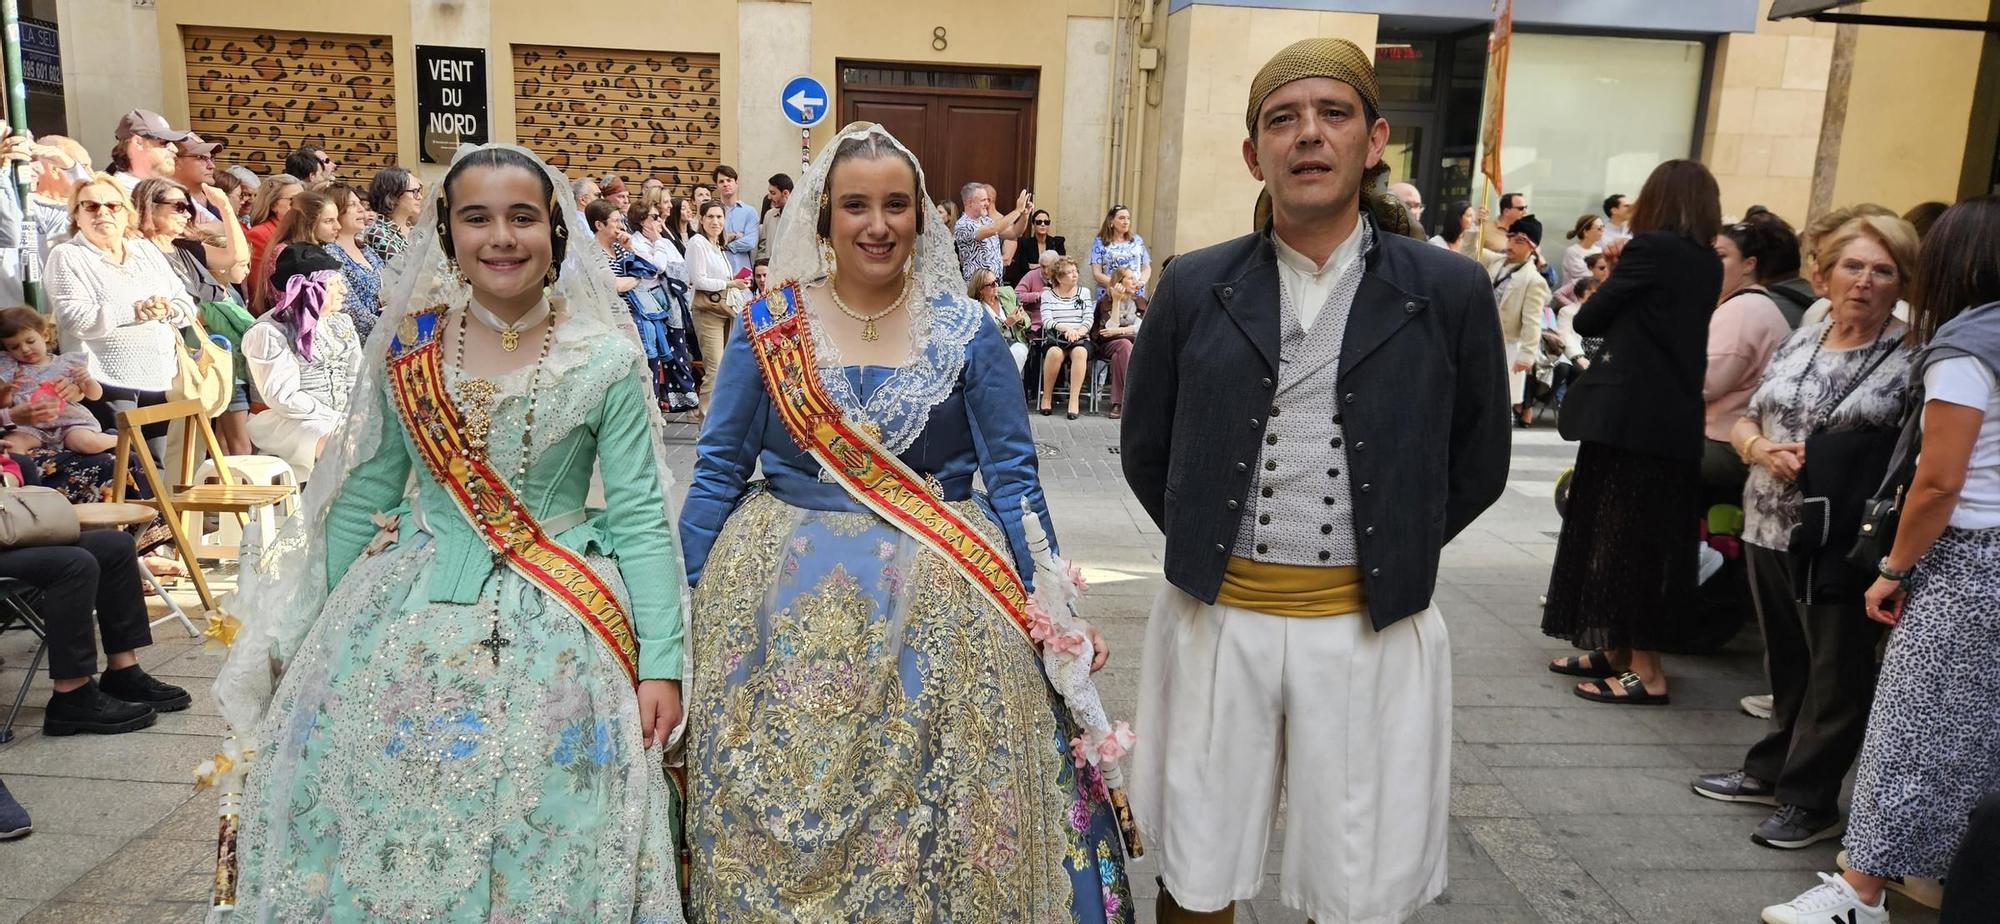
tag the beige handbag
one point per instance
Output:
(36, 516)
(206, 373)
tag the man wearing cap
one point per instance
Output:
(1314, 410)
(194, 167)
(1521, 291)
(143, 148)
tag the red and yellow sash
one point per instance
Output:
(854, 457)
(416, 379)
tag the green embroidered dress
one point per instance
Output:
(449, 742)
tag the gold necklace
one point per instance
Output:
(510, 334)
(868, 331)
(484, 394)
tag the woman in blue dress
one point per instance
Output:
(457, 680)
(868, 736)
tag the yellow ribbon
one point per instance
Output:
(220, 630)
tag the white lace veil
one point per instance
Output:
(279, 599)
(942, 319)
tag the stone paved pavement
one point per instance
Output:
(1562, 811)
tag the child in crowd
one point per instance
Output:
(32, 370)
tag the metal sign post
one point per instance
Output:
(17, 118)
(804, 103)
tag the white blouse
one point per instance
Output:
(295, 389)
(662, 253)
(708, 269)
(95, 298)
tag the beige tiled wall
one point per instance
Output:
(1767, 94)
(1206, 193)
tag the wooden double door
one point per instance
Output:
(963, 125)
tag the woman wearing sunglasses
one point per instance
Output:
(118, 300)
(1029, 249)
(164, 216)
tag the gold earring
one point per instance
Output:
(549, 278)
(826, 257)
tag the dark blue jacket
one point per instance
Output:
(1422, 400)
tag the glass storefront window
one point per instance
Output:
(1406, 70)
(1588, 116)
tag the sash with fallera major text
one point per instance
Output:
(856, 459)
(438, 428)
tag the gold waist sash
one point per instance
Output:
(1291, 590)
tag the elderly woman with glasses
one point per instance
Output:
(1029, 249)
(117, 300)
(1846, 378)
(165, 216)
(395, 195)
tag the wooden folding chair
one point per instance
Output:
(177, 497)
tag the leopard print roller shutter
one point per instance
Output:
(267, 90)
(591, 111)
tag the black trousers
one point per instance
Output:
(100, 574)
(1972, 887)
(1821, 663)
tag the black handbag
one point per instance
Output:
(1837, 484)
(1880, 514)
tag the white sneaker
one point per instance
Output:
(1756, 707)
(1831, 902)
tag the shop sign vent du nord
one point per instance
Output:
(451, 99)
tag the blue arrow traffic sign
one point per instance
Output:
(804, 101)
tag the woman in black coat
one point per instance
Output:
(1626, 562)
(1028, 250)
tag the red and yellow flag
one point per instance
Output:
(1496, 91)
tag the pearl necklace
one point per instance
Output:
(868, 331)
(510, 334)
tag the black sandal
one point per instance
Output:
(1589, 664)
(1635, 692)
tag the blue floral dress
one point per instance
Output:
(1131, 254)
(364, 287)
(868, 739)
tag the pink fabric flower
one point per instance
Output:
(1040, 627)
(1081, 752)
(1064, 643)
(1076, 577)
(1117, 743)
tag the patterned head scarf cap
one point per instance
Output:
(1344, 61)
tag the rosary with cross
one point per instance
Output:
(494, 642)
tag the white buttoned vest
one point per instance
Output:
(1299, 511)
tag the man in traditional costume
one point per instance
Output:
(1314, 410)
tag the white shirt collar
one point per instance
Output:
(1336, 261)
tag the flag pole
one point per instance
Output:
(1496, 109)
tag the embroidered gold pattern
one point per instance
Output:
(856, 765)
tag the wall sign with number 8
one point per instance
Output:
(938, 39)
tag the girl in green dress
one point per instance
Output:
(455, 681)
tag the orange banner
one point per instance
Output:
(1496, 93)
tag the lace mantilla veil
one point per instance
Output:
(942, 319)
(279, 599)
